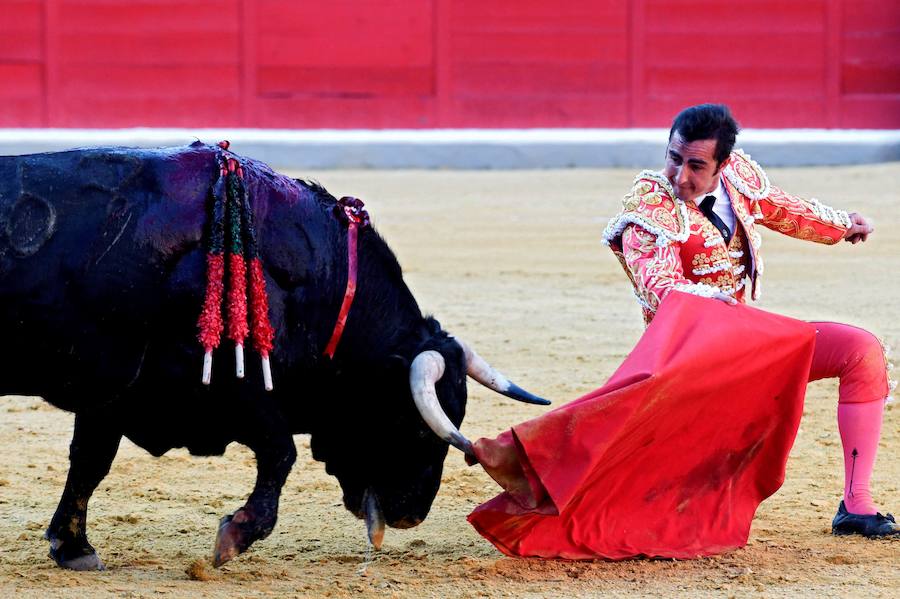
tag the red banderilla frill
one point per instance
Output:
(210, 321)
(237, 270)
(261, 329)
(231, 205)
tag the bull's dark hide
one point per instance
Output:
(102, 273)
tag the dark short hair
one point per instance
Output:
(707, 121)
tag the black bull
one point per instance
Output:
(102, 278)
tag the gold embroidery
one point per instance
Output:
(715, 257)
(646, 241)
(724, 281)
(747, 174)
(740, 211)
(665, 218)
(630, 202)
(707, 229)
(781, 221)
(811, 210)
(737, 246)
(754, 239)
(660, 180)
(653, 199)
(756, 210)
(808, 233)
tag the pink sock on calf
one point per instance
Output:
(860, 427)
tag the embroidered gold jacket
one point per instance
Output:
(664, 243)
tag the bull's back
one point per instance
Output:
(69, 214)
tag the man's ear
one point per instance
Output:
(724, 163)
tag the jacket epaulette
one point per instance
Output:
(652, 205)
(747, 176)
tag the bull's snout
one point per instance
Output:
(406, 522)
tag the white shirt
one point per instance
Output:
(722, 207)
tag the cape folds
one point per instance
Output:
(671, 457)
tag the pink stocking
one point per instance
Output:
(856, 357)
(860, 426)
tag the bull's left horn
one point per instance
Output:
(427, 369)
(478, 368)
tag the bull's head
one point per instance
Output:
(401, 495)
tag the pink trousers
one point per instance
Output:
(855, 356)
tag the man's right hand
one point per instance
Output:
(859, 230)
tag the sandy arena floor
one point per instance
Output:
(512, 262)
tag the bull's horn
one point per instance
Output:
(478, 368)
(426, 369)
(374, 518)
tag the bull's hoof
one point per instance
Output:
(83, 563)
(232, 538)
(73, 555)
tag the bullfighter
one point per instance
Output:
(693, 227)
(672, 456)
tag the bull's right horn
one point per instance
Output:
(426, 370)
(478, 368)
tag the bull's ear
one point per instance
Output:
(434, 327)
(396, 361)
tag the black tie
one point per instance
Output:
(706, 207)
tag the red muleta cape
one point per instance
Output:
(671, 457)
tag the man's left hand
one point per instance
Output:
(859, 230)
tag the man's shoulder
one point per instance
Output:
(650, 190)
(652, 205)
(747, 176)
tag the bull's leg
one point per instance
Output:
(273, 445)
(91, 453)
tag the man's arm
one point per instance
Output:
(810, 219)
(656, 270)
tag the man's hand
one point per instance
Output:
(859, 230)
(724, 297)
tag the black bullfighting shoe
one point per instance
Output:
(875, 525)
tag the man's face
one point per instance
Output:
(691, 167)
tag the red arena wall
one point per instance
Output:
(446, 63)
